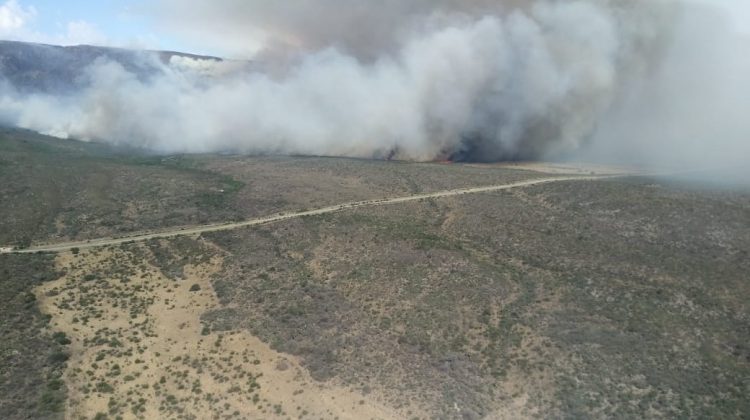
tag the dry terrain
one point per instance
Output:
(614, 298)
(139, 349)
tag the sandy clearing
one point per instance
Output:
(570, 168)
(164, 365)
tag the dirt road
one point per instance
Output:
(197, 230)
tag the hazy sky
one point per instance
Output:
(102, 22)
(136, 23)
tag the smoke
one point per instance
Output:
(691, 111)
(361, 28)
(418, 80)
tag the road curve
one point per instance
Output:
(197, 230)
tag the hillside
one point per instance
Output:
(620, 298)
(50, 69)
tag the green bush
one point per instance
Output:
(58, 357)
(61, 338)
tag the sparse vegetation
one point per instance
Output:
(588, 310)
(57, 188)
(33, 359)
(614, 299)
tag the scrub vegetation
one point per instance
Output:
(623, 298)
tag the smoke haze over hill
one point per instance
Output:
(424, 80)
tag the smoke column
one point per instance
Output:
(691, 110)
(417, 80)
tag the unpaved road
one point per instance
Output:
(197, 230)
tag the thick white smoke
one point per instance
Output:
(692, 109)
(414, 80)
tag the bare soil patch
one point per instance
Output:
(139, 349)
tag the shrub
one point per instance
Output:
(105, 388)
(58, 357)
(61, 338)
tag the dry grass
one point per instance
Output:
(140, 350)
(616, 299)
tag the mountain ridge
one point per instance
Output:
(52, 69)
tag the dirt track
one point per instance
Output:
(197, 230)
